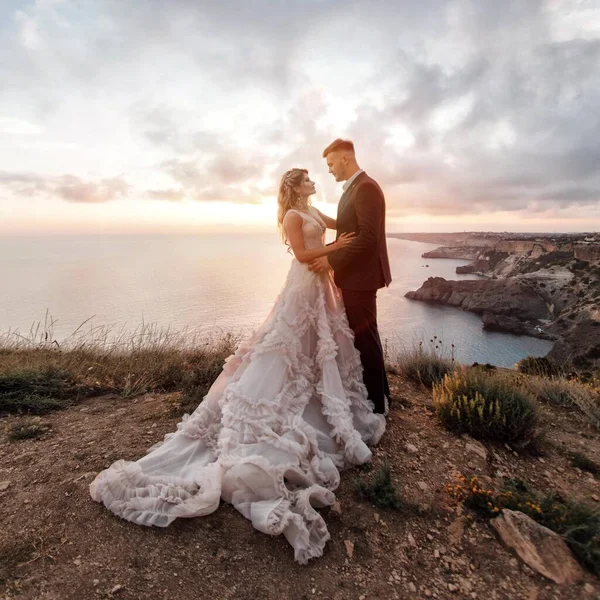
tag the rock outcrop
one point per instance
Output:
(540, 548)
(512, 324)
(588, 252)
(456, 252)
(511, 297)
(547, 287)
(580, 345)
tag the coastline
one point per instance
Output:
(528, 285)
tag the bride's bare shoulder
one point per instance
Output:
(292, 216)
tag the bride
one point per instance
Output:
(288, 411)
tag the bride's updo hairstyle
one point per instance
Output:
(288, 197)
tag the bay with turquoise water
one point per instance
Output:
(225, 282)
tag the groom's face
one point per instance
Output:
(337, 165)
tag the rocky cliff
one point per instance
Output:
(544, 290)
(587, 251)
(510, 304)
(460, 252)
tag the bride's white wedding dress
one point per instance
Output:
(288, 411)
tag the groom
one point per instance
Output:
(362, 267)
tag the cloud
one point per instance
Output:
(170, 195)
(228, 177)
(13, 126)
(73, 189)
(66, 187)
(496, 105)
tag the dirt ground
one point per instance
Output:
(56, 543)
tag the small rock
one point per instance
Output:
(410, 448)
(116, 589)
(436, 553)
(452, 587)
(456, 530)
(77, 562)
(423, 486)
(534, 592)
(4, 485)
(477, 448)
(349, 548)
(411, 540)
(412, 587)
(336, 508)
(376, 517)
(537, 546)
(588, 588)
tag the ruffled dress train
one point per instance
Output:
(286, 414)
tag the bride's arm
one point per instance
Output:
(293, 230)
(330, 223)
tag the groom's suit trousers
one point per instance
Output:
(361, 309)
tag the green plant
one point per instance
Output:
(564, 392)
(38, 375)
(577, 523)
(26, 431)
(36, 391)
(581, 461)
(486, 406)
(380, 491)
(426, 366)
(538, 365)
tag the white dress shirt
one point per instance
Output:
(348, 182)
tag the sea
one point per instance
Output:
(209, 283)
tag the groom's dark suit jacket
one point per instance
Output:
(363, 264)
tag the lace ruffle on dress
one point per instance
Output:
(286, 414)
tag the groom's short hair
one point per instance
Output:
(339, 145)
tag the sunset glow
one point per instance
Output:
(181, 116)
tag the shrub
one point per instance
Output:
(425, 366)
(563, 392)
(380, 491)
(486, 406)
(36, 391)
(538, 365)
(578, 265)
(581, 461)
(577, 523)
(26, 431)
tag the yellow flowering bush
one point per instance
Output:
(486, 406)
(577, 523)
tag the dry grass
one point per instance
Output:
(564, 392)
(425, 364)
(38, 373)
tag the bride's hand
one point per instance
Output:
(344, 240)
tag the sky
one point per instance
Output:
(181, 116)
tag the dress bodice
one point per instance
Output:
(313, 228)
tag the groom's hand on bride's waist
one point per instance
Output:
(319, 264)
